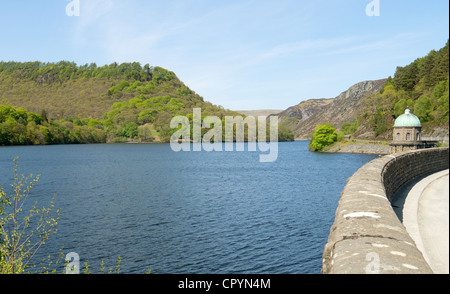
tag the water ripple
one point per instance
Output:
(188, 212)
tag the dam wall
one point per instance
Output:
(367, 237)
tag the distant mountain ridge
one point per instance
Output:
(261, 112)
(302, 118)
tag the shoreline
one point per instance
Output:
(359, 147)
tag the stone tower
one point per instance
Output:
(407, 133)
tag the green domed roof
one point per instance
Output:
(407, 120)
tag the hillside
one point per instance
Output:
(371, 107)
(260, 112)
(304, 117)
(65, 90)
(60, 103)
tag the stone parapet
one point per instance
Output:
(367, 236)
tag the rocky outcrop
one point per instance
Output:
(305, 109)
(304, 117)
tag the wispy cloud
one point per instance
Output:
(308, 46)
(228, 51)
(368, 43)
(91, 14)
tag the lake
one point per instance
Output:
(187, 212)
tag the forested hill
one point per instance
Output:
(368, 109)
(65, 90)
(60, 103)
(422, 86)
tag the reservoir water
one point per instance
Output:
(187, 212)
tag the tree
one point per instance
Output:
(323, 136)
(131, 130)
(44, 115)
(145, 134)
(21, 237)
(378, 122)
(406, 77)
(444, 107)
(423, 109)
(400, 107)
(349, 128)
(284, 134)
(33, 117)
(5, 111)
(160, 75)
(147, 116)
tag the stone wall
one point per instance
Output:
(406, 134)
(399, 146)
(367, 236)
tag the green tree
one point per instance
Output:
(323, 136)
(44, 115)
(423, 108)
(444, 107)
(131, 130)
(349, 128)
(22, 234)
(160, 75)
(5, 111)
(378, 122)
(406, 77)
(284, 134)
(6, 134)
(400, 107)
(147, 116)
(35, 118)
(145, 134)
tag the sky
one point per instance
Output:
(240, 54)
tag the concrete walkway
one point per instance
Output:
(426, 218)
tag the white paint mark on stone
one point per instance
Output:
(410, 266)
(380, 245)
(362, 214)
(377, 195)
(372, 194)
(409, 243)
(398, 253)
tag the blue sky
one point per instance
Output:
(241, 54)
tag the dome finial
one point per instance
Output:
(407, 120)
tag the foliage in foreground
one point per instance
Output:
(22, 233)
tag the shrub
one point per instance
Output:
(323, 136)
